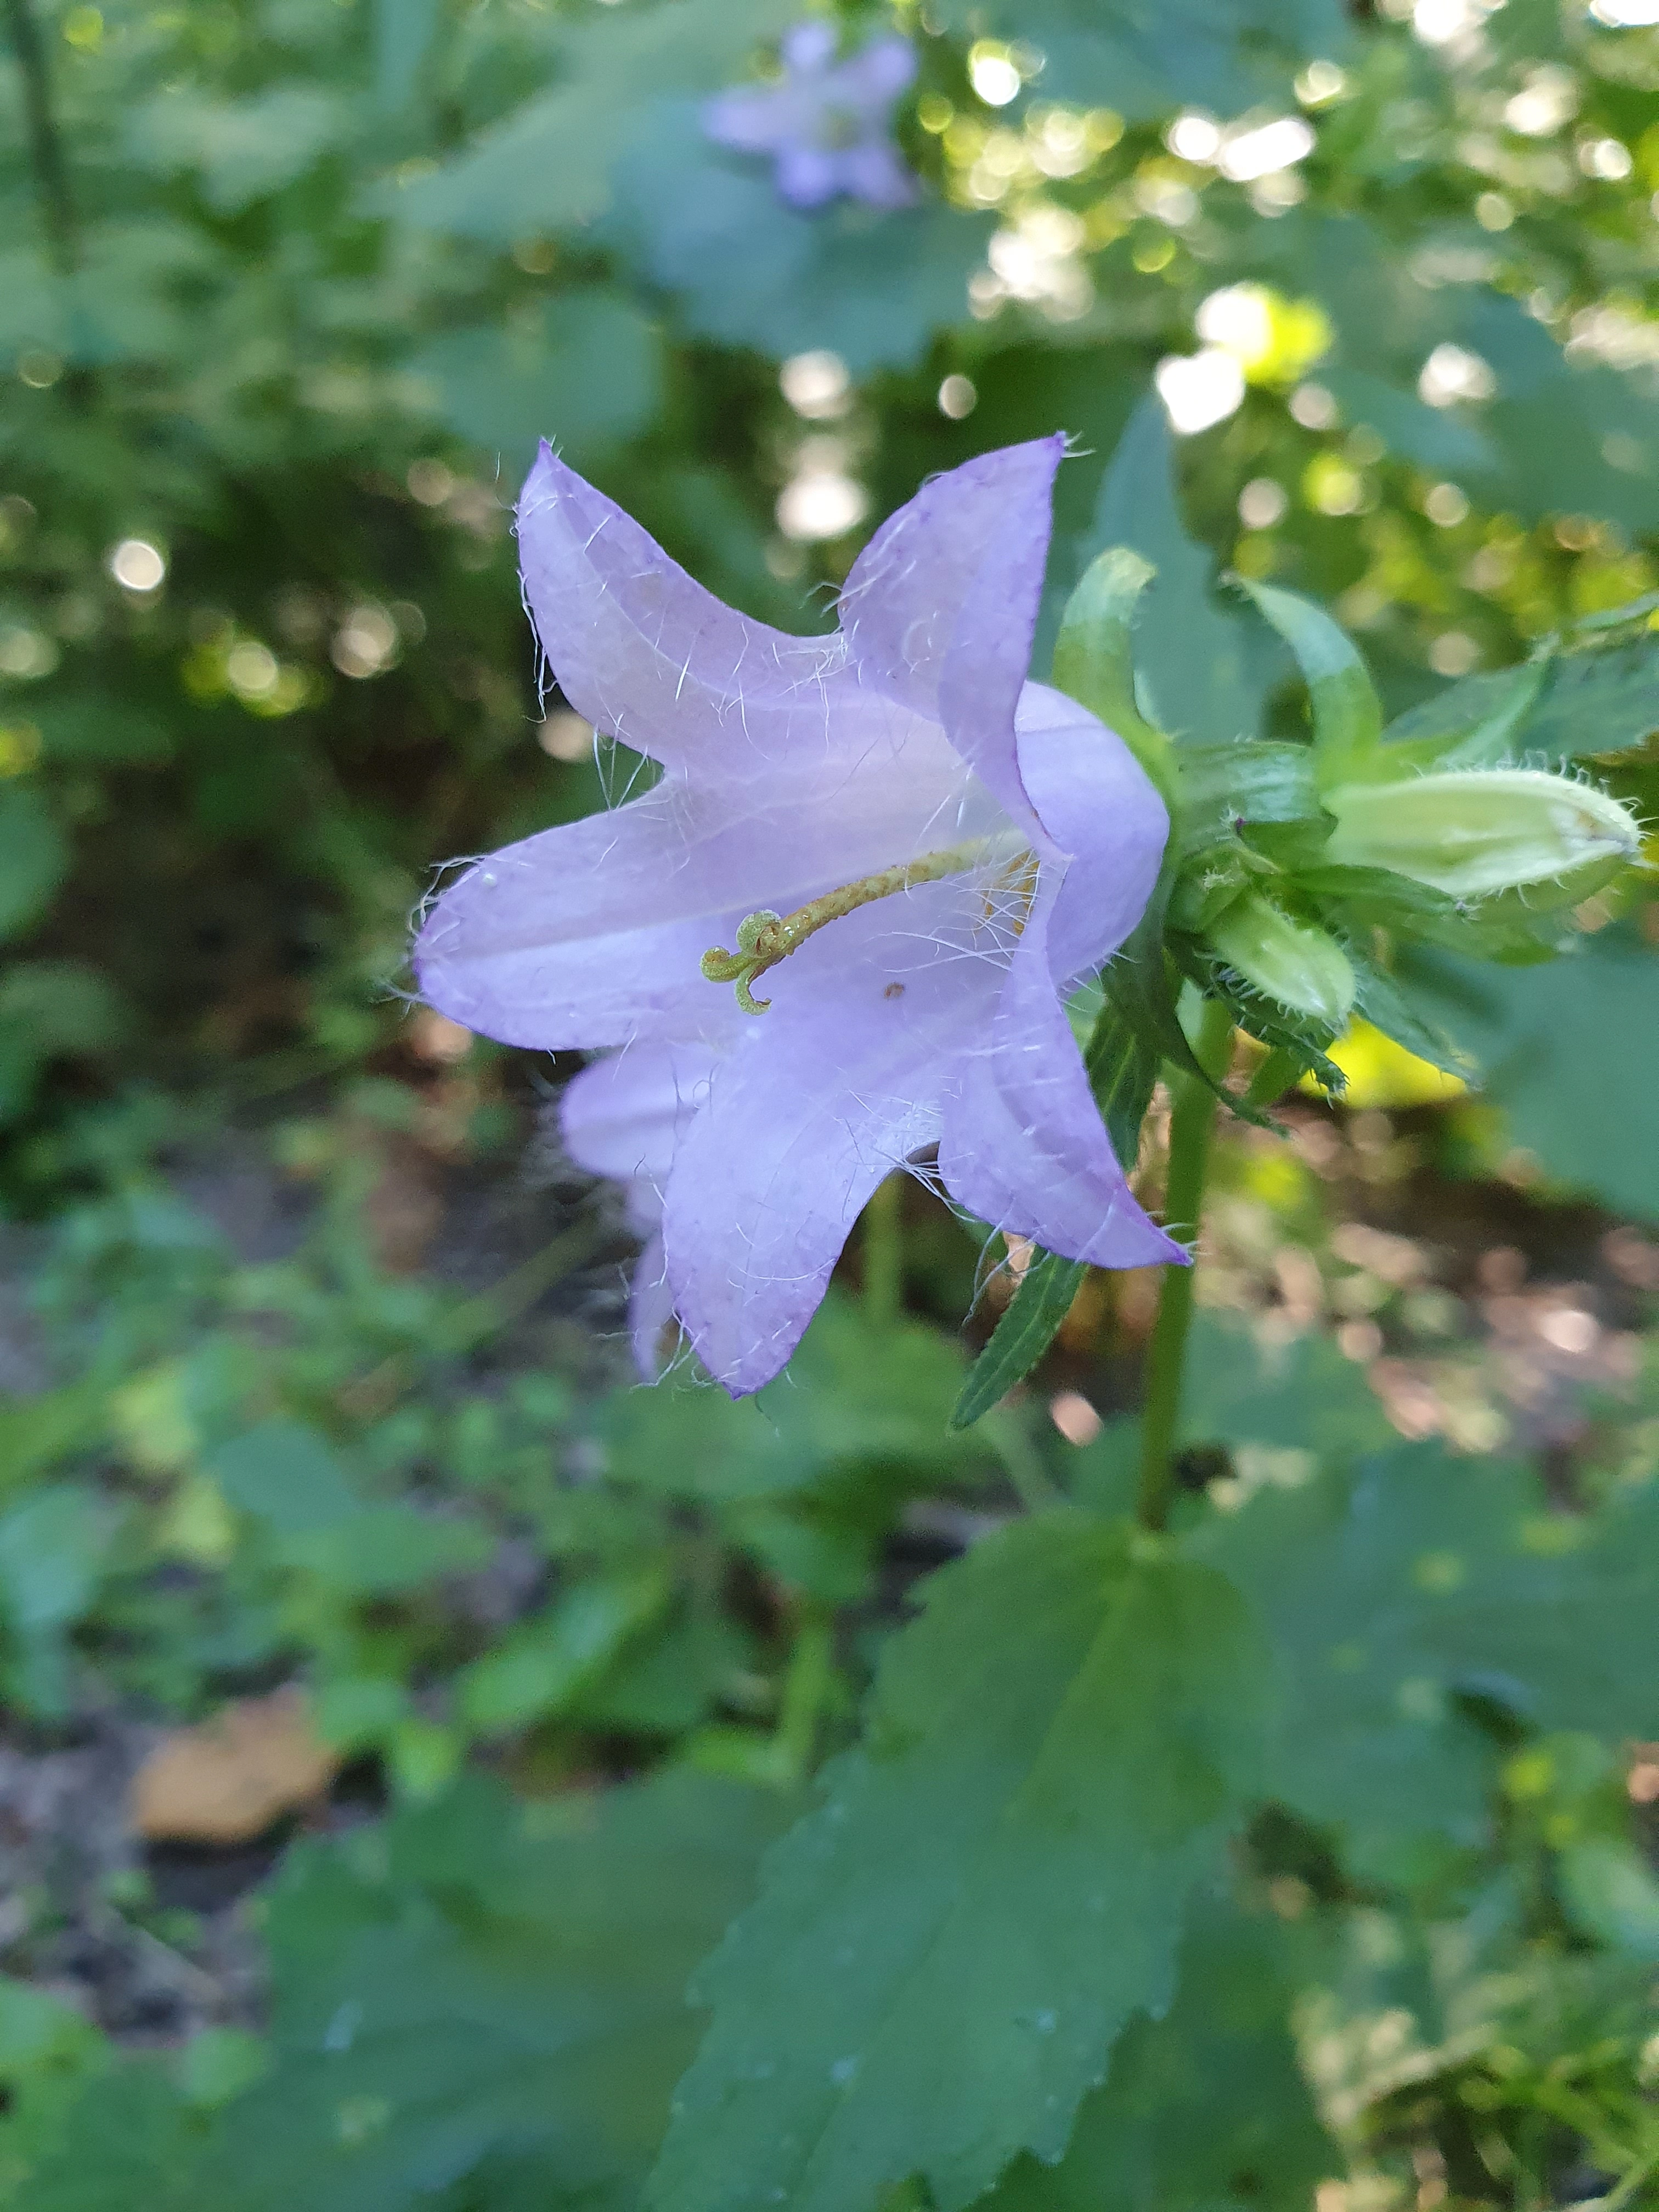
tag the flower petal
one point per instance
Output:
(649, 656)
(650, 1308)
(1102, 809)
(940, 607)
(839, 1085)
(621, 1115)
(1024, 1144)
(879, 72)
(589, 934)
(749, 122)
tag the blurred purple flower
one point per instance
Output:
(950, 846)
(827, 124)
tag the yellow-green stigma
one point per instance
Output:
(765, 938)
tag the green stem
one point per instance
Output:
(45, 149)
(805, 1691)
(1191, 1120)
(883, 1251)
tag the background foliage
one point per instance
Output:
(1298, 1852)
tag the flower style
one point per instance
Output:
(827, 124)
(919, 850)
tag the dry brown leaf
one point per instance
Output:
(226, 1780)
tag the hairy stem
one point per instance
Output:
(883, 1246)
(46, 149)
(1191, 1120)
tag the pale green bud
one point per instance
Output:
(1299, 967)
(1477, 830)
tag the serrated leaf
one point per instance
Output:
(465, 1995)
(1205, 2108)
(995, 1885)
(1348, 715)
(1391, 1584)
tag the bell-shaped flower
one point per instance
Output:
(826, 123)
(838, 932)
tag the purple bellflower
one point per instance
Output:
(827, 124)
(912, 848)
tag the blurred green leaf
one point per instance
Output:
(1569, 1051)
(492, 1991)
(34, 856)
(551, 164)
(748, 270)
(506, 386)
(1391, 1586)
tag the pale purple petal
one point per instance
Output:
(940, 606)
(807, 177)
(591, 934)
(1099, 808)
(1023, 1146)
(650, 1310)
(875, 75)
(649, 656)
(621, 1117)
(809, 48)
(841, 1083)
(749, 122)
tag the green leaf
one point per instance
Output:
(1025, 1330)
(1475, 723)
(996, 1884)
(403, 33)
(239, 150)
(1205, 2108)
(854, 1396)
(508, 383)
(1199, 673)
(33, 857)
(1391, 1584)
(545, 1663)
(1348, 715)
(550, 164)
(1223, 54)
(748, 270)
(1569, 1051)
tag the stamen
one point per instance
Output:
(765, 938)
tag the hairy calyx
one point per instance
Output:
(765, 938)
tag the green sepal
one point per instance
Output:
(1224, 788)
(1023, 1334)
(1094, 657)
(1347, 713)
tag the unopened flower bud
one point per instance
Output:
(1477, 830)
(1301, 967)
